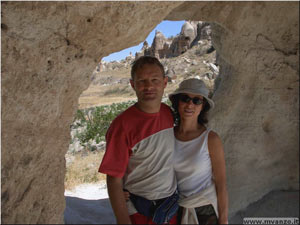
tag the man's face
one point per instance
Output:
(149, 84)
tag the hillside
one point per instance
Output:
(198, 59)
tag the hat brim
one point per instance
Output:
(210, 102)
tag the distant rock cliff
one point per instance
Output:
(191, 33)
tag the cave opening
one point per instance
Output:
(189, 53)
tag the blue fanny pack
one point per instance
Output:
(161, 211)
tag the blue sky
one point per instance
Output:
(168, 28)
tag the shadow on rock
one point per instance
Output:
(273, 205)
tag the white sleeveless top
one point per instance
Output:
(193, 165)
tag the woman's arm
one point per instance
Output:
(216, 153)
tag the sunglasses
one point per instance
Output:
(187, 99)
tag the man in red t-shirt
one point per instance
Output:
(140, 144)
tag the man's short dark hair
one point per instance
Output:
(143, 60)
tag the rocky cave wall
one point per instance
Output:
(49, 50)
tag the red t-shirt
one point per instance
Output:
(126, 131)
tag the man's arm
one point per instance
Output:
(117, 199)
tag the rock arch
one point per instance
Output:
(50, 48)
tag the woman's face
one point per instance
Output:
(190, 106)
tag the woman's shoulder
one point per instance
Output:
(214, 142)
(212, 133)
(213, 137)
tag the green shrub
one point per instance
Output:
(96, 121)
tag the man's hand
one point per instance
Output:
(117, 199)
(126, 196)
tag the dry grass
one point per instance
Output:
(119, 73)
(95, 95)
(98, 101)
(84, 169)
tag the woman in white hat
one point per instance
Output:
(199, 157)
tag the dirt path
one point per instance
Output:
(89, 204)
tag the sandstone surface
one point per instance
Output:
(49, 50)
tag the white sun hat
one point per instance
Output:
(193, 86)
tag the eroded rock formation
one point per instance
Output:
(162, 47)
(49, 50)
